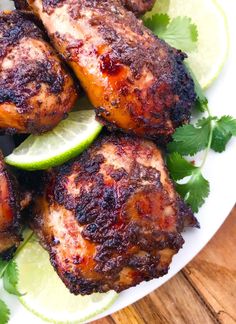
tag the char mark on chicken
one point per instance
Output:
(21, 5)
(138, 7)
(9, 212)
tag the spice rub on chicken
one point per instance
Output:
(9, 211)
(138, 7)
(136, 82)
(110, 218)
(36, 92)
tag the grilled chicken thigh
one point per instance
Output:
(137, 82)
(110, 218)
(35, 90)
(9, 211)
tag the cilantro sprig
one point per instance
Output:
(180, 32)
(9, 275)
(209, 132)
(212, 132)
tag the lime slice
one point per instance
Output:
(69, 138)
(213, 41)
(45, 294)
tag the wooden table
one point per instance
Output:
(203, 292)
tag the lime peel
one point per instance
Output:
(68, 139)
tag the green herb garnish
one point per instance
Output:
(179, 32)
(4, 312)
(208, 133)
(9, 275)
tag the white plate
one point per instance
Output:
(220, 170)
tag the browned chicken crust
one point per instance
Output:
(35, 90)
(21, 5)
(110, 218)
(136, 81)
(139, 7)
(9, 211)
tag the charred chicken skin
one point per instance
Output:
(138, 7)
(110, 218)
(35, 90)
(9, 211)
(136, 82)
(21, 5)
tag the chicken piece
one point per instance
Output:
(9, 212)
(36, 92)
(22, 5)
(137, 82)
(138, 7)
(110, 218)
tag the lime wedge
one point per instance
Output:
(69, 138)
(213, 41)
(45, 294)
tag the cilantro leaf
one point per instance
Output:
(178, 167)
(228, 123)
(205, 122)
(224, 129)
(180, 32)
(10, 279)
(220, 139)
(195, 191)
(157, 23)
(3, 265)
(189, 139)
(4, 313)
